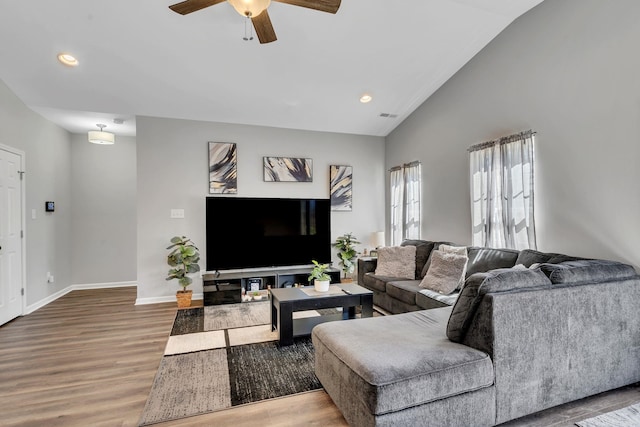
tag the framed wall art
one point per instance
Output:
(340, 185)
(223, 168)
(287, 169)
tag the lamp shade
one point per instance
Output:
(98, 137)
(378, 239)
(250, 8)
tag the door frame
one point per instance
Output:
(23, 205)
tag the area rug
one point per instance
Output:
(209, 370)
(625, 417)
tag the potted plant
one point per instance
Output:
(320, 277)
(183, 259)
(347, 254)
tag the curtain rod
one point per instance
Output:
(406, 165)
(504, 140)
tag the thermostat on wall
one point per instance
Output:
(49, 206)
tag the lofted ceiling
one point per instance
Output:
(139, 58)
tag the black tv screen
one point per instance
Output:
(243, 232)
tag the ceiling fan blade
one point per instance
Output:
(189, 6)
(263, 27)
(330, 6)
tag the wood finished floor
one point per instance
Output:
(89, 359)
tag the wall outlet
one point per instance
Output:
(50, 278)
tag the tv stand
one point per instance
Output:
(226, 287)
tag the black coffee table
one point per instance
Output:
(284, 301)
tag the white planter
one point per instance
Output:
(321, 286)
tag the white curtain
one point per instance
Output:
(502, 208)
(405, 190)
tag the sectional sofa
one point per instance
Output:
(399, 295)
(516, 341)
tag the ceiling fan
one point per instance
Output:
(256, 10)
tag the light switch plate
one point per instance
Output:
(177, 213)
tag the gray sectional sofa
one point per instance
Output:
(399, 295)
(516, 341)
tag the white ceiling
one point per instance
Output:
(138, 58)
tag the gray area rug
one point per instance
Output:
(625, 417)
(217, 317)
(204, 381)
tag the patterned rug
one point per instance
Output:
(625, 417)
(217, 359)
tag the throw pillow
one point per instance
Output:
(397, 261)
(445, 273)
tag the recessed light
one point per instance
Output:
(68, 59)
(365, 98)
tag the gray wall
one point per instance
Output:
(103, 186)
(172, 168)
(568, 70)
(47, 152)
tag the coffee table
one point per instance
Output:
(284, 301)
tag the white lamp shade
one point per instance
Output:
(100, 137)
(378, 239)
(251, 8)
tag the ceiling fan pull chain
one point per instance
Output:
(250, 35)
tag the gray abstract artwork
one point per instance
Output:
(288, 169)
(223, 168)
(341, 181)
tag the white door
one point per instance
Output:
(10, 236)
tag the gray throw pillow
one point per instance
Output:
(397, 261)
(445, 273)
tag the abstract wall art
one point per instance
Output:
(288, 169)
(223, 168)
(341, 182)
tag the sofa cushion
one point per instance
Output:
(528, 257)
(377, 283)
(482, 260)
(404, 290)
(436, 246)
(425, 299)
(587, 271)
(397, 261)
(395, 362)
(423, 250)
(480, 284)
(446, 272)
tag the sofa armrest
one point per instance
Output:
(366, 265)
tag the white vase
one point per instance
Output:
(321, 285)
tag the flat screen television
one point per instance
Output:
(244, 232)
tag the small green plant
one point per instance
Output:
(347, 252)
(183, 259)
(319, 272)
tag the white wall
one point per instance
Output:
(47, 152)
(172, 172)
(568, 70)
(103, 186)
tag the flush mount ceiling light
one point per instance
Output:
(366, 98)
(256, 10)
(68, 59)
(101, 137)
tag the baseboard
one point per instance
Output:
(33, 307)
(163, 299)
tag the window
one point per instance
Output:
(405, 183)
(501, 180)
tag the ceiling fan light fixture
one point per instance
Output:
(101, 137)
(250, 8)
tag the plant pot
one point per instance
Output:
(321, 285)
(346, 280)
(184, 298)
